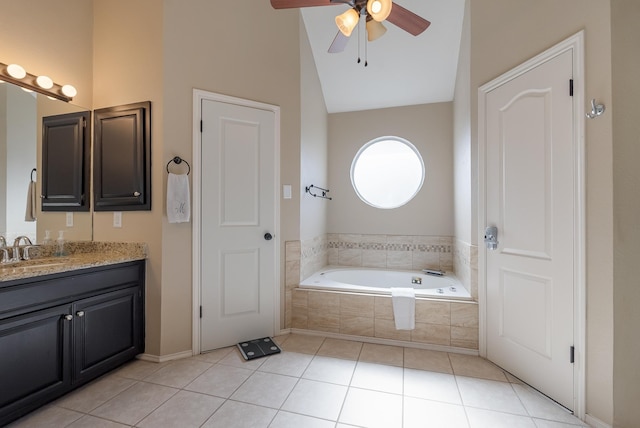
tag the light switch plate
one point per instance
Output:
(286, 191)
(70, 219)
(117, 219)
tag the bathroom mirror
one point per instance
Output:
(21, 116)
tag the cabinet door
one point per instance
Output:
(108, 331)
(35, 351)
(122, 158)
(65, 162)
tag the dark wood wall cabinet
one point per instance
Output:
(66, 142)
(62, 330)
(122, 158)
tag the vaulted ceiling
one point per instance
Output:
(401, 69)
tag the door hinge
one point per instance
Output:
(570, 87)
(200, 311)
(84, 122)
(200, 125)
(572, 354)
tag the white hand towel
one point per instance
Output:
(30, 213)
(404, 308)
(178, 199)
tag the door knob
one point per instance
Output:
(80, 313)
(68, 317)
(136, 194)
(268, 236)
(491, 238)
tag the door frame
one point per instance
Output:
(199, 96)
(575, 44)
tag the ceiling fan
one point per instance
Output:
(375, 12)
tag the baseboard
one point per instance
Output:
(595, 422)
(165, 358)
(392, 342)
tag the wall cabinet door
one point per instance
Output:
(66, 162)
(122, 158)
(108, 330)
(35, 351)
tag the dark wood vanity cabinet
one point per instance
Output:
(122, 158)
(60, 331)
(66, 142)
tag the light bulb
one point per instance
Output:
(347, 21)
(16, 71)
(69, 91)
(379, 9)
(44, 82)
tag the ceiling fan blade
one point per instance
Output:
(339, 43)
(407, 20)
(288, 4)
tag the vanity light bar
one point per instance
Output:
(13, 73)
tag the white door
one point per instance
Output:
(530, 172)
(238, 219)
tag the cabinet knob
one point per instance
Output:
(68, 317)
(136, 193)
(80, 313)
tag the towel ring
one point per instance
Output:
(32, 171)
(178, 160)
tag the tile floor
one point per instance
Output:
(314, 383)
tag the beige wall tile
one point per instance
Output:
(325, 302)
(355, 325)
(350, 257)
(299, 317)
(374, 258)
(383, 308)
(399, 259)
(425, 260)
(355, 305)
(386, 329)
(334, 256)
(430, 312)
(464, 315)
(463, 337)
(292, 250)
(322, 321)
(292, 273)
(431, 333)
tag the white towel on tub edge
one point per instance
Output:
(404, 307)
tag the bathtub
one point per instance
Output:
(380, 281)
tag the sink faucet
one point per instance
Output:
(25, 250)
(5, 251)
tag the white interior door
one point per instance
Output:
(530, 198)
(238, 220)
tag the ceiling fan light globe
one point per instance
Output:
(379, 10)
(375, 30)
(347, 21)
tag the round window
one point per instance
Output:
(387, 172)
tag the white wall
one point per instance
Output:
(429, 128)
(464, 207)
(313, 144)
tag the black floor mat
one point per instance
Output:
(258, 348)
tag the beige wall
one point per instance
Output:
(504, 34)
(313, 144)
(625, 15)
(127, 69)
(429, 128)
(230, 48)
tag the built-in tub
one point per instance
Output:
(380, 281)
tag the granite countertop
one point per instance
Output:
(80, 255)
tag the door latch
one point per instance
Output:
(491, 238)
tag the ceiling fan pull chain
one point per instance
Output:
(358, 41)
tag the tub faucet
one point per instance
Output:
(25, 250)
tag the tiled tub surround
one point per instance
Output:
(79, 255)
(465, 266)
(438, 322)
